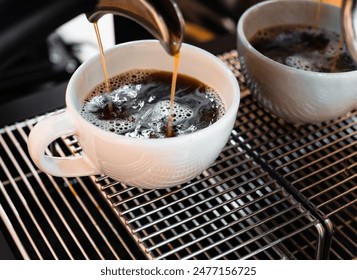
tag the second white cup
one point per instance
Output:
(296, 95)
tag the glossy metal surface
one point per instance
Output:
(162, 18)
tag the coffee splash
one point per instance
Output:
(146, 103)
(141, 105)
(170, 131)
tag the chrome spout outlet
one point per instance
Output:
(162, 18)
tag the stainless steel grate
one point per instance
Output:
(271, 194)
(235, 210)
(318, 160)
(54, 218)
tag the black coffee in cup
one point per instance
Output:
(304, 47)
(139, 104)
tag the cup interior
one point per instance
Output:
(149, 54)
(296, 95)
(275, 13)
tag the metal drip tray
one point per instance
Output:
(276, 192)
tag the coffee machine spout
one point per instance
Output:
(349, 26)
(162, 18)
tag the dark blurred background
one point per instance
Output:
(43, 63)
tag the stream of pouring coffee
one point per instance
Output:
(102, 57)
(340, 41)
(169, 131)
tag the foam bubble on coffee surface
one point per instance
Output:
(154, 120)
(141, 116)
(308, 62)
(304, 47)
(316, 60)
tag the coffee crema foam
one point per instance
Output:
(304, 47)
(139, 105)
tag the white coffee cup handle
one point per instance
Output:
(43, 134)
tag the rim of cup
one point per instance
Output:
(242, 37)
(231, 107)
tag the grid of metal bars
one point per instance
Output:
(319, 160)
(54, 218)
(234, 210)
(242, 207)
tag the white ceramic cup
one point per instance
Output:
(295, 95)
(145, 163)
